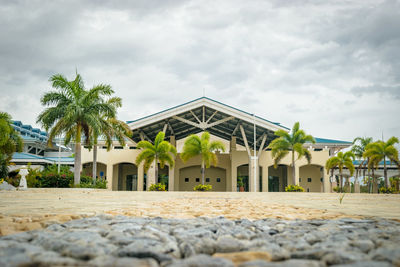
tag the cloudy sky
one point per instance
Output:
(332, 65)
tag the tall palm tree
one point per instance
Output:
(10, 142)
(340, 161)
(72, 110)
(110, 129)
(292, 142)
(373, 163)
(161, 152)
(381, 150)
(359, 145)
(202, 146)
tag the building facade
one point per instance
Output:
(246, 158)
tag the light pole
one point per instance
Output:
(255, 155)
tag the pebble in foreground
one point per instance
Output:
(126, 241)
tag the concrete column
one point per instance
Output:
(297, 175)
(151, 176)
(115, 176)
(234, 178)
(140, 177)
(253, 163)
(109, 174)
(171, 179)
(229, 178)
(265, 179)
(232, 145)
(172, 140)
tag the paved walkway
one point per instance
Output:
(36, 208)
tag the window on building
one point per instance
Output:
(300, 180)
(207, 180)
(308, 189)
(197, 180)
(186, 180)
(309, 180)
(322, 179)
(104, 147)
(132, 147)
(218, 180)
(118, 147)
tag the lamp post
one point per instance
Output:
(255, 155)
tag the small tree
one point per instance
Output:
(201, 146)
(10, 142)
(340, 161)
(380, 151)
(293, 143)
(161, 152)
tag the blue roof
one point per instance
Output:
(358, 162)
(276, 123)
(331, 141)
(28, 156)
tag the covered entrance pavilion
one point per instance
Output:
(246, 159)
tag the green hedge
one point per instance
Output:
(294, 188)
(202, 187)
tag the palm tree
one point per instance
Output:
(10, 142)
(202, 146)
(359, 145)
(161, 152)
(293, 142)
(340, 161)
(372, 165)
(72, 111)
(381, 150)
(110, 129)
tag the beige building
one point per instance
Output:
(246, 157)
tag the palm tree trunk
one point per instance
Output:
(341, 180)
(156, 171)
(332, 177)
(375, 182)
(293, 169)
(202, 172)
(385, 173)
(94, 170)
(78, 160)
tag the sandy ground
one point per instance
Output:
(37, 208)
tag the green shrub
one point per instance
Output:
(202, 187)
(157, 187)
(51, 178)
(338, 190)
(384, 190)
(32, 178)
(294, 188)
(88, 183)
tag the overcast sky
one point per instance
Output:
(332, 65)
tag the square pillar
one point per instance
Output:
(109, 176)
(171, 178)
(253, 177)
(172, 140)
(265, 179)
(140, 178)
(232, 144)
(234, 178)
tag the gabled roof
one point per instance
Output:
(330, 141)
(202, 114)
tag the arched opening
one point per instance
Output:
(277, 178)
(125, 177)
(242, 178)
(189, 177)
(311, 178)
(101, 170)
(163, 176)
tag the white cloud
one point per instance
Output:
(332, 65)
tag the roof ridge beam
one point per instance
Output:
(245, 140)
(194, 115)
(220, 121)
(262, 144)
(212, 115)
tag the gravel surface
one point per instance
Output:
(106, 240)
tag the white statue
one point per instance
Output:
(22, 183)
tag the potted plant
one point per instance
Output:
(240, 184)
